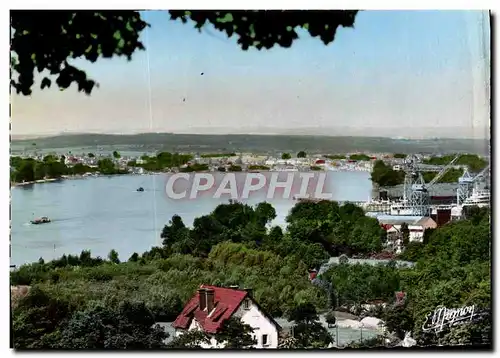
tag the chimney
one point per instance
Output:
(249, 292)
(210, 293)
(202, 298)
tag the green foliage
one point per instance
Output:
(235, 334)
(336, 157)
(383, 175)
(301, 154)
(356, 284)
(235, 168)
(315, 168)
(86, 302)
(338, 229)
(286, 156)
(28, 169)
(412, 251)
(235, 222)
(116, 155)
(165, 160)
(50, 40)
(195, 167)
(405, 234)
(451, 176)
(258, 167)
(52, 45)
(218, 155)
(189, 340)
(398, 319)
(307, 329)
(474, 162)
(359, 157)
(106, 166)
(113, 257)
(400, 155)
(330, 318)
(37, 317)
(91, 155)
(248, 26)
(128, 326)
(453, 270)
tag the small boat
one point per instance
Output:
(140, 189)
(42, 220)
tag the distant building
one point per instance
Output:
(416, 226)
(211, 306)
(71, 160)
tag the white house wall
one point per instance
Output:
(414, 235)
(256, 319)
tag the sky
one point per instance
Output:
(396, 74)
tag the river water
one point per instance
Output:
(104, 213)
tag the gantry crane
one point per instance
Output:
(466, 184)
(416, 192)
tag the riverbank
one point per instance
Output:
(50, 180)
(75, 177)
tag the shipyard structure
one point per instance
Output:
(419, 206)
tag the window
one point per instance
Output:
(246, 304)
(264, 340)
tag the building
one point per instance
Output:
(416, 226)
(211, 306)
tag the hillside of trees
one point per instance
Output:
(88, 302)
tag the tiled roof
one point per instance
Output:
(226, 302)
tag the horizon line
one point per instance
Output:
(21, 137)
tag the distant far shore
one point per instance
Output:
(70, 177)
(241, 143)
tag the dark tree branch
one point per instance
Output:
(48, 40)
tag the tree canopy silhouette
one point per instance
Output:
(47, 40)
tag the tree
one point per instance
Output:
(91, 155)
(400, 155)
(398, 319)
(26, 171)
(36, 317)
(116, 155)
(301, 154)
(189, 340)
(134, 257)
(113, 257)
(384, 175)
(338, 229)
(129, 326)
(285, 156)
(330, 318)
(307, 329)
(235, 334)
(405, 234)
(50, 40)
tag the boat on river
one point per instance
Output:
(42, 220)
(140, 189)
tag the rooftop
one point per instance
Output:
(226, 302)
(399, 219)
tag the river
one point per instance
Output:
(104, 213)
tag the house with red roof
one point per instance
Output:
(211, 306)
